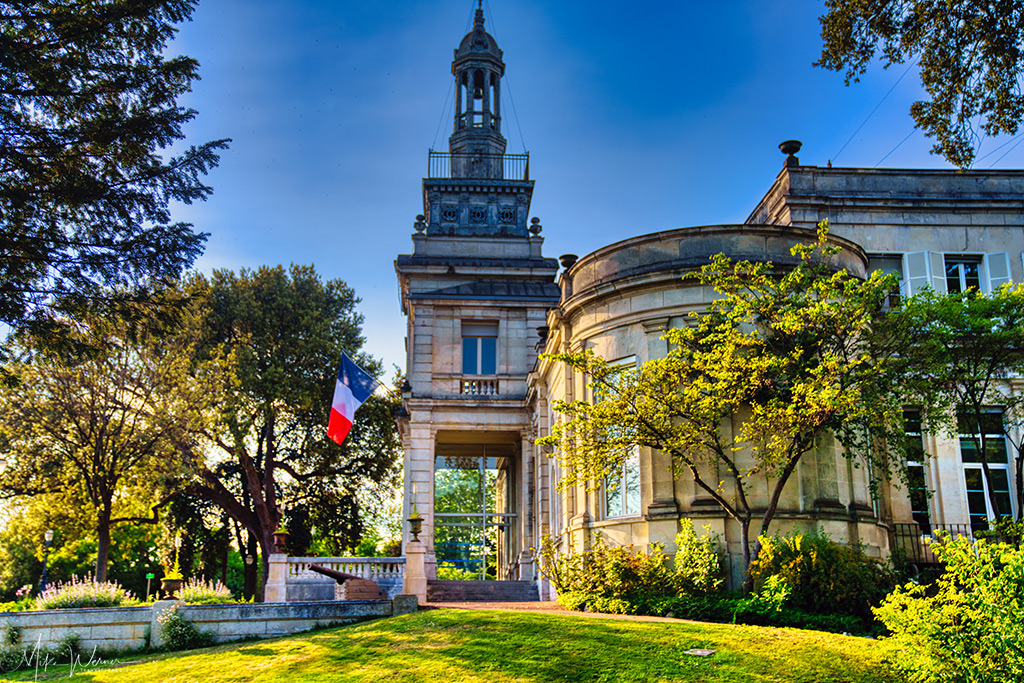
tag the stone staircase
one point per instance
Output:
(482, 591)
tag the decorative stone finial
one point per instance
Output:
(420, 225)
(790, 148)
(567, 260)
(535, 226)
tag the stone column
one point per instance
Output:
(486, 87)
(276, 588)
(458, 102)
(656, 470)
(415, 581)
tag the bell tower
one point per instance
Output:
(474, 290)
(478, 69)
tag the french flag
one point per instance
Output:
(353, 388)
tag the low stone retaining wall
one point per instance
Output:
(125, 628)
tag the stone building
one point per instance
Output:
(482, 303)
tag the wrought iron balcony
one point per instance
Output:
(445, 165)
(915, 542)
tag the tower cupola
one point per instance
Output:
(478, 69)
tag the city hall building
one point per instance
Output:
(483, 302)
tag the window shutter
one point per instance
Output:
(997, 270)
(937, 263)
(923, 269)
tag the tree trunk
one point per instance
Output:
(748, 580)
(1019, 480)
(251, 570)
(769, 515)
(103, 543)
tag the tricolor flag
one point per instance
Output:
(353, 388)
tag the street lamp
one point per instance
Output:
(46, 554)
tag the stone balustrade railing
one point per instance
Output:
(373, 568)
(291, 580)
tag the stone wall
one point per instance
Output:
(126, 628)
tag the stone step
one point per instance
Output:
(482, 591)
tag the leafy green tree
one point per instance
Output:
(784, 360)
(97, 428)
(962, 348)
(970, 58)
(88, 116)
(265, 447)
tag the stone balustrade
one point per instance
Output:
(301, 584)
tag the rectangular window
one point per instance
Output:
(479, 348)
(622, 489)
(917, 486)
(890, 265)
(986, 499)
(962, 273)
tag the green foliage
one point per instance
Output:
(446, 571)
(967, 627)
(9, 635)
(281, 332)
(181, 634)
(970, 59)
(90, 121)
(698, 561)
(824, 577)
(1004, 531)
(621, 580)
(961, 348)
(22, 605)
(202, 592)
(87, 592)
(627, 578)
(792, 355)
(94, 431)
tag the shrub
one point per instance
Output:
(202, 592)
(698, 562)
(446, 571)
(825, 577)
(181, 634)
(967, 626)
(620, 580)
(85, 592)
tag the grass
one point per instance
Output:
(456, 646)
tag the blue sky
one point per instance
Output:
(637, 117)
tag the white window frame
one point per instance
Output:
(1003, 466)
(623, 475)
(478, 331)
(959, 261)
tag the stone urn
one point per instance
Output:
(280, 539)
(170, 587)
(415, 526)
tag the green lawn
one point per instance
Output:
(459, 645)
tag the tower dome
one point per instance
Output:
(478, 42)
(478, 69)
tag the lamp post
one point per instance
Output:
(46, 555)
